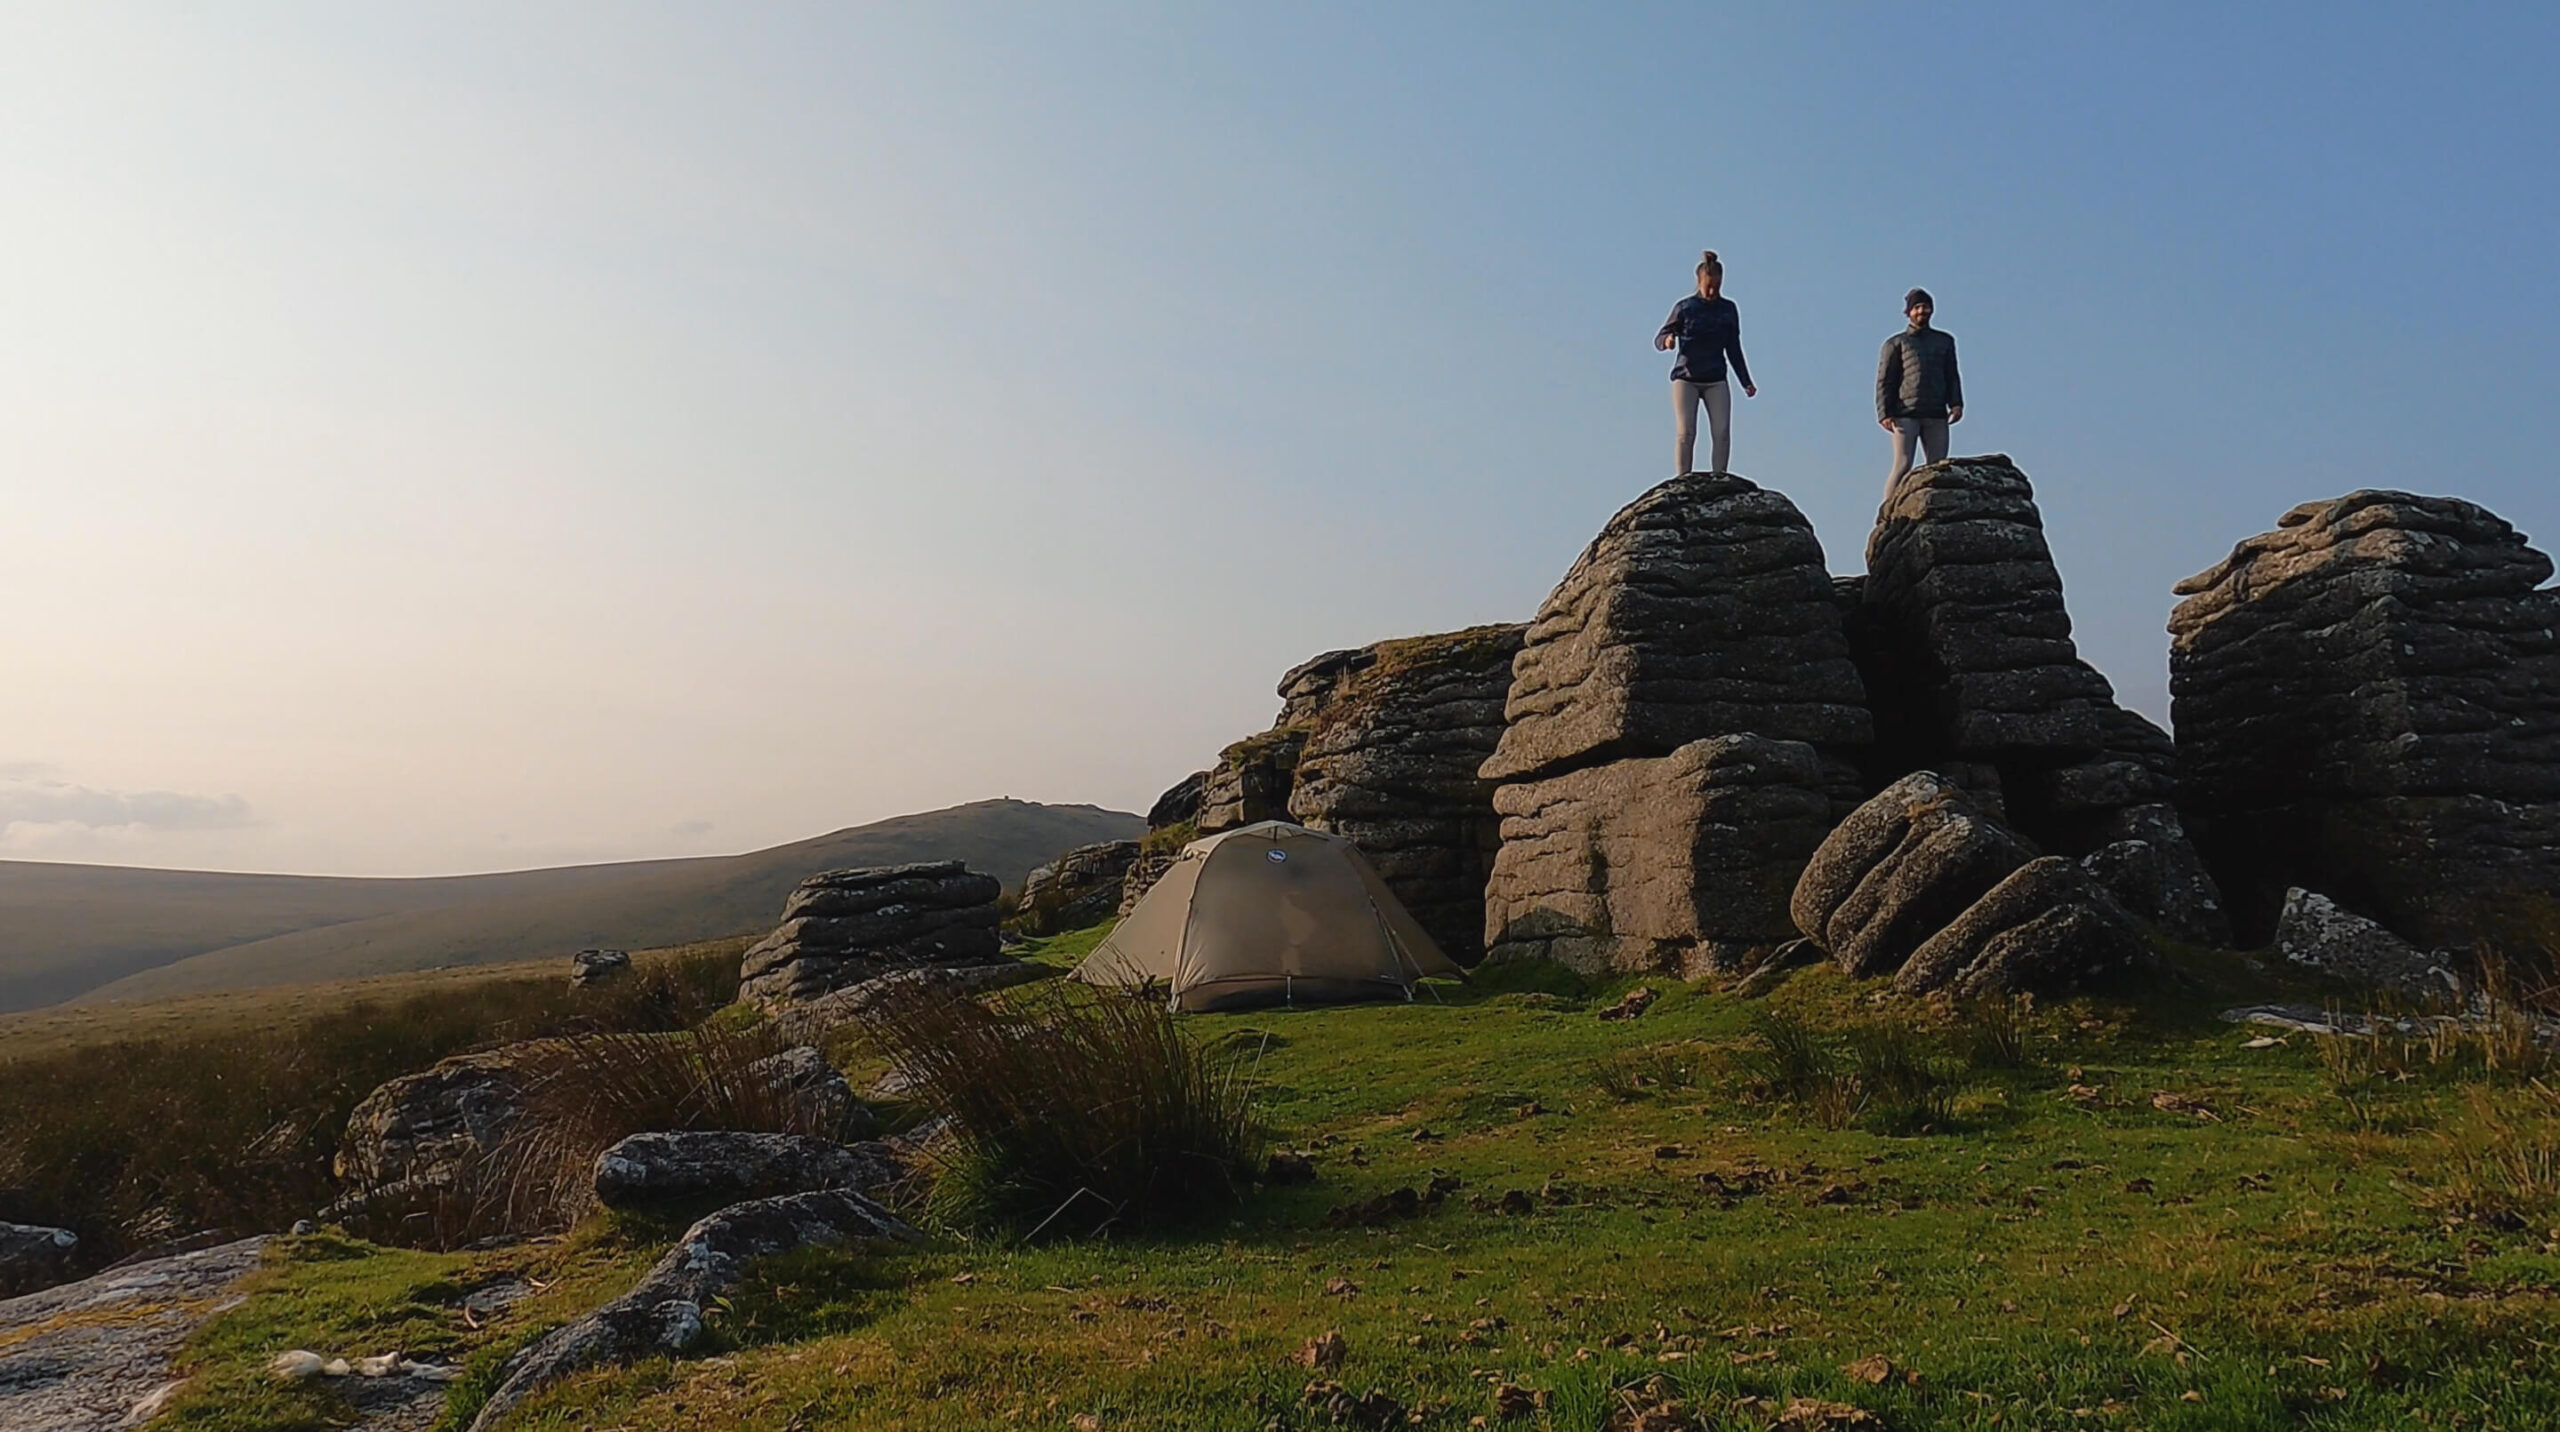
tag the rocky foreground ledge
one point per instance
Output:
(97, 1354)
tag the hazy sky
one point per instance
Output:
(452, 437)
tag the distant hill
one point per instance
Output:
(105, 933)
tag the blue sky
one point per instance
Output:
(445, 438)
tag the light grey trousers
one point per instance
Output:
(1929, 435)
(1685, 397)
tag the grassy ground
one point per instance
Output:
(2150, 1224)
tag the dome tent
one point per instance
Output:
(1271, 913)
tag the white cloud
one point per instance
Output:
(34, 804)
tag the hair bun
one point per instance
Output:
(1708, 257)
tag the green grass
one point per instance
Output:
(2064, 1249)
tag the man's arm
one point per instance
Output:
(1955, 386)
(1888, 379)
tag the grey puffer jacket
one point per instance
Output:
(1917, 377)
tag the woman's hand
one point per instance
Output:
(1955, 414)
(1662, 343)
(1749, 391)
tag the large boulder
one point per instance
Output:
(426, 1129)
(1680, 863)
(1702, 609)
(1079, 888)
(846, 926)
(2368, 704)
(33, 1257)
(2047, 927)
(674, 1168)
(1898, 870)
(2316, 933)
(1921, 883)
(1965, 643)
(1398, 732)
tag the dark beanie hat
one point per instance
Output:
(1915, 298)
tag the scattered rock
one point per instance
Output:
(1326, 1349)
(33, 1257)
(674, 1168)
(1632, 1004)
(828, 1100)
(663, 1313)
(1679, 864)
(1396, 734)
(588, 967)
(1079, 888)
(845, 926)
(2315, 932)
(1372, 1409)
(2368, 702)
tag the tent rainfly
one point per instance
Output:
(1271, 913)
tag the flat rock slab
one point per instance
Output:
(84, 1356)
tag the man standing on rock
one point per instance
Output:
(1918, 391)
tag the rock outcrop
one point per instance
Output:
(676, 1168)
(2368, 704)
(818, 1017)
(1683, 723)
(663, 1313)
(33, 1257)
(1923, 884)
(1251, 781)
(846, 926)
(1396, 732)
(1079, 888)
(1681, 864)
(1702, 609)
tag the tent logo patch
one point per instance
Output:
(1275, 855)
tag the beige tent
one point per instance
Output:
(1268, 914)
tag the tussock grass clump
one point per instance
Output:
(2501, 1163)
(1885, 1073)
(131, 1143)
(1072, 1112)
(1626, 1075)
(592, 1091)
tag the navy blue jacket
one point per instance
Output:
(1710, 331)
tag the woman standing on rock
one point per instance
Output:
(1708, 329)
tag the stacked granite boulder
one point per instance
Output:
(1172, 822)
(1630, 839)
(1390, 762)
(846, 926)
(2368, 704)
(1924, 884)
(1965, 644)
(1679, 863)
(1077, 889)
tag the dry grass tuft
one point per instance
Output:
(1074, 1113)
(2501, 1161)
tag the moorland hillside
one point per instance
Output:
(100, 933)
